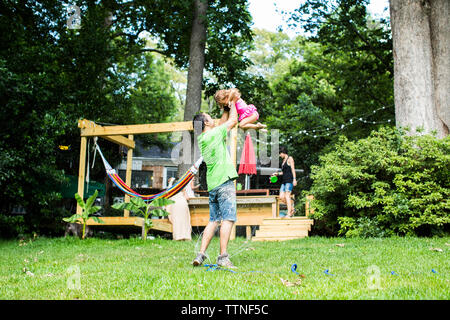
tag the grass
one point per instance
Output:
(161, 269)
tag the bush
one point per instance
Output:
(11, 226)
(389, 183)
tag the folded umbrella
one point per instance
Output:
(247, 164)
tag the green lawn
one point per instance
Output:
(161, 269)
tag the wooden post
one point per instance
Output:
(308, 209)
(126, 213)
(81, 171)
(233, 151)
(248, 231)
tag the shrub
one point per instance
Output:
(389, 183)
(11, 226)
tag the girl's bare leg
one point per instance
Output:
(249, 123)
(282, 197)
(287, 195)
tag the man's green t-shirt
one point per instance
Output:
(213, 147)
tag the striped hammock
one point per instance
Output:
(169, 192)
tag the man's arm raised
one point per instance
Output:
(233, 117)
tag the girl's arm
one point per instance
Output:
(293, 170)
(234, 95)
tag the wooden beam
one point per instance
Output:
(81, 171)
(117, 221)
(136, 129)
(121, 140)
(248, 232)
(126, 213)
(240, 200)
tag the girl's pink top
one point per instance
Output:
(245, 110)
(241, 106)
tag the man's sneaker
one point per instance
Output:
(199, 259)
(224, 261)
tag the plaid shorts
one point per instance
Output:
(222, 202)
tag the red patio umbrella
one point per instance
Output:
(247, 164)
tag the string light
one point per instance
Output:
(326, 131)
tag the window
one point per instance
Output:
(139, 179)
(169, 172)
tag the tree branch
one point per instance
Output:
(154, 50)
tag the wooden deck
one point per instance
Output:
(260, 211)
(158, 224)
(251, 210)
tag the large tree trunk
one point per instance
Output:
(196, 60)
(195, 73)
(420, 33)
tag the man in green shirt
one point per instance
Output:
(220, 174)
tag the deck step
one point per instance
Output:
(282, 229)
(275, 238)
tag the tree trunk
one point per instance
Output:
(421, 79)
(440, 46)
(195, 72)
(196, 60)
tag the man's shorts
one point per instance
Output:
(222, 202)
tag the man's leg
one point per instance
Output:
(225, 232)
(208, 234)
(210, 228)
(227, 207)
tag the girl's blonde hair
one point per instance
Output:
(224, 96)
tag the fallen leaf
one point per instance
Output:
(340, 244)
(250, 249)
(29, 273)
(436, 249)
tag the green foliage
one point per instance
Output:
(51, 77)
(342, 70)
(11, 226)
(88, 209)
(145, 209)
(388, 183)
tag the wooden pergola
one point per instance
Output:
(251, 209)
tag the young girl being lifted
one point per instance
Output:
(248, 114)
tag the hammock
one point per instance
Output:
(169, 192)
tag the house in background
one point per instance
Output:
(151, 168)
